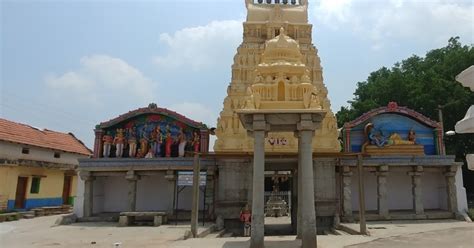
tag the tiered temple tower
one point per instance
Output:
(265, 21)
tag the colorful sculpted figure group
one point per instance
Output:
(148, 144)
(376, 137)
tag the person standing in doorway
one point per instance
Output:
(246, 218)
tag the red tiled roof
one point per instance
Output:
(24, 134)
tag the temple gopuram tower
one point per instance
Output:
(265, 21)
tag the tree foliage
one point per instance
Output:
(424, 85)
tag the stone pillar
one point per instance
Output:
(99, 133)
(209, 194)
(132, 179)
(417, 192)
(300, 195)
(171, 177)
(308, 214)
(258, 187)
(382, 201)
(88, 179)
(347, 193)
(450, 175)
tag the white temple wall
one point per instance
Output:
(434, 190)
(98, 193)
(115, 194)
(155, 193)
(399, 189)
(370, 190)
(461, 192)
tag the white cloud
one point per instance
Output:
(196, 111)
(200, 113)
(388, 21)
(201, 47)
(103, 80)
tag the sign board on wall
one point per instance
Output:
(277, 141)
(185, 178)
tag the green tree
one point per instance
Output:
(423, 84)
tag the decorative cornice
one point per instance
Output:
(152, 109)
(393, 107)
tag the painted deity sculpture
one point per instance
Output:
(107, 144)
(143, 143)
(168, 143)
(150, 153)
(412, 136)
(196, 142)
(157, 140)
(377, 138)
(119, 142)
(182, 143)
(132, 142)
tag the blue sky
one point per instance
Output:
(68, 65)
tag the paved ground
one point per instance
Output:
(461, 237)
(40, 232)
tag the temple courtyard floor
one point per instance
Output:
(41, 232)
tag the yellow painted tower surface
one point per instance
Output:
(279, 68)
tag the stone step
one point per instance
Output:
(206, 231)
(227, 235)
(340, 233)
(214, 235)
(28, 216)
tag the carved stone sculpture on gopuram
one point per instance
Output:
(276, 67)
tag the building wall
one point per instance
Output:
(12, 151)
(399, 189)
(50, 189)
(98, 193)
(52, 180)
(155, 193)
(234, 187)
(461, 192)
(434, 190)
(370, 190)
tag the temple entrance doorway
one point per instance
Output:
(279, 202)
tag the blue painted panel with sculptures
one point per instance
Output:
(390, 123)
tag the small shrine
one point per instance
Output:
(276, 206)
(393, 130)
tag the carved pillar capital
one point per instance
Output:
(132, 176)
(170, 175)
(86, 176)
(382, 171)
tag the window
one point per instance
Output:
(57, 155)
(277, 32)
(25, 150)
(35, 185)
